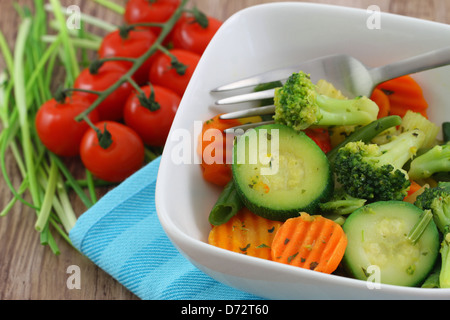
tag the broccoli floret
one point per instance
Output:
(341, 203)
(375, 172)
(299, 105)
(437, 200)
(435, 160)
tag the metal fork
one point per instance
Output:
(346, 73)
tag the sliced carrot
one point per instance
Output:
(408, 103)
(205, 140)
(382, 100)
(218, 174)
(245, 233)
(413, 188)
(215, 148)
(215, 167)
(404, 94)
(399, 109)
(311, 242)
(404, 85)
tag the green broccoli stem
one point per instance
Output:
(367, 133)
(299, 105)
(444, 276)
(342, 206)
(432, 281)
(419, 228)
(437, 201)
(433, 161)
(441, 213)
(401, 149)
(360, 110)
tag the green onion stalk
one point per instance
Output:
(25, 84)
(111, 5)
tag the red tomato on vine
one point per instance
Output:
(99, 80)
(191, 34)
(118, 158)
(174, 74)
(133, 45)
(144, 11)
(152, 118)
(57, 128)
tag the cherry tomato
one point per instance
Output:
(152, 126)
(159, 11)
(119, 160)
(110, 72)
(162, 73)
(190, 35)
(134, 45)
(57, 128)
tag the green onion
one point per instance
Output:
(91, 186)
(6, 53)
(44, 212)
(72, 182)
(71, 61)
(84, 17)
(78, 43)
(20, 94)
(111, 5)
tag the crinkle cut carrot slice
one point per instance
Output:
(246, 233)
(310, 242)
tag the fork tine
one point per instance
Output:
(266, 77)
(258, 111)
(247, 97)
(243, 83)
(242, 128)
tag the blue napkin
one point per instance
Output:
(122, 235)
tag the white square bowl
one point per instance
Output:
(255, 40)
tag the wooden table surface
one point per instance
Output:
(29, 270)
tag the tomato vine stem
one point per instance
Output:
(166, 28)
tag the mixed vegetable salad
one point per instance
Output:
(361, 186)
(72, 98)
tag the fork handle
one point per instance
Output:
(430, 60)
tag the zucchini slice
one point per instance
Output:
(279, 172)
(378, 249)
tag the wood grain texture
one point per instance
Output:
(29, 270)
